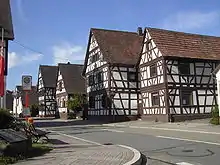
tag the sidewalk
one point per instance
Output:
(194, 125)
(70, 150)
(59, 122)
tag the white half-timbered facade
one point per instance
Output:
(46, 88)
(112, 86)
(175, 75)
(69, 82)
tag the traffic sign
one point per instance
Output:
(26, 82)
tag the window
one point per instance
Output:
(99, 77)
(155, 99)
(187, 97)
(184, 68)
(153, 70)
(91, 102)
(95, 57)
(63, 103)
(104, 101)
(91, 80)
(132, 76)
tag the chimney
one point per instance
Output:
(139, 31)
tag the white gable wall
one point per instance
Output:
(91, 66)
(60, 79)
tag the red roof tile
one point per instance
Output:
(118, 46)
(186, 45)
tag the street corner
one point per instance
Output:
(137, 158)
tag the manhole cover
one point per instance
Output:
(189, 150)
(108, 144)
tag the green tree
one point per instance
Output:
(74, 102)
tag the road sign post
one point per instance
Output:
(26, 84)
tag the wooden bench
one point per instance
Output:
(37, 134)
(30, 130)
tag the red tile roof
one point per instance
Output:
(118, 46)
(186, 45)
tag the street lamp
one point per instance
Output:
(16, 95)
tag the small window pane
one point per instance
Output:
(187, 97)
(184, 68)
(153, 70)
(132, 76)
(155, 99)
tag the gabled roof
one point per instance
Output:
(32, 95)
(6, 19)
(117, 47)
(49, 75)
(186, 45)
(72, 77)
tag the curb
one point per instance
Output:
(136, 160)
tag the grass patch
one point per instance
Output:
(37, 149)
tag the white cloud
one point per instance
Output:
(66, 52)
(191, 20)
(15, 59)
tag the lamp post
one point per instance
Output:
(16, 95)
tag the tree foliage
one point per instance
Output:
(6, 120)
(75, 102)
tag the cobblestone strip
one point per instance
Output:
(76, 151)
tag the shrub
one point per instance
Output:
(6, 120)
(215, 115)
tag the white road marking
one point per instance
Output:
(190, 140)
(81, 139)
(69, 126)
(173, 129)
(113, 130)
(184, 163)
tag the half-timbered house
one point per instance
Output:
(19, 102)
(69, 83)
(175, 73)
(109, 69)
(46, 87)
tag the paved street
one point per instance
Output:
(72, 150)
(162, 147)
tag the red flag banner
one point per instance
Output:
(2, 89)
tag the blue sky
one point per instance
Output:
(59, 29)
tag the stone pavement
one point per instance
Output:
(69, 150)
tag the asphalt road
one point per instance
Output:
(159, 149)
